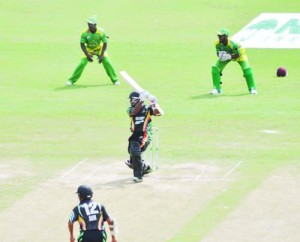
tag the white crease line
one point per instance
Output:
(268, 131)
(233, 169)
(73, 168)
(215, 179)
(199, 176)
(87, 177)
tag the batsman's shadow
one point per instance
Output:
(75, 87)
(120, 183)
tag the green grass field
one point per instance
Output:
(168, 47)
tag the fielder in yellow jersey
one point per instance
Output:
(227, 51)
(93, 42)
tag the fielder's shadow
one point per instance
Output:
(211, 96)
(203, 96)
(75, 87)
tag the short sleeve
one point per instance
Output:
(129, 111)
(103, 35)
(150, 109)
(74, 215)
(83, 38)
(105, 213)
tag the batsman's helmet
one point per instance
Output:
(134, 95)
(84, 191)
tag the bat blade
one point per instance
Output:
(137, 87)
(131, 82)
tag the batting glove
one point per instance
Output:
(152, 99)
(144, 94)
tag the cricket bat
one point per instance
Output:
(137, 87)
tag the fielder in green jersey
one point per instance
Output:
(93, 42)
(227, 51)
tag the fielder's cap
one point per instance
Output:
(92, 20)
(223, 31)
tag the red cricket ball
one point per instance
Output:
(281, 72)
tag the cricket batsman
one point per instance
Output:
(141, 128)
(93, 42)
(227, 51)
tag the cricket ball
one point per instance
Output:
(281, 72)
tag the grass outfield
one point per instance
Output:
(47, 128)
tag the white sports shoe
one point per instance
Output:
(117, 83)
(253, 92)
(68, 83)
(136, 179)
(215, 91)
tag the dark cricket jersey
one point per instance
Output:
(142, 120)
(90, 215)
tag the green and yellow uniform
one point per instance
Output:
(94, 44)
(233, 49)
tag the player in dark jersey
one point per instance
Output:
(227, 51)
(141, 128)
(91, 217)
(93, 42)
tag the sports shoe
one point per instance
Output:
(136, 179)
(68, 83)
(117, 83)
(128, 163)
(215, 91)
(253, 92)
(147, 170)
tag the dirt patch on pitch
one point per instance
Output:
(151, 211)
(14, 171)
(268, 214)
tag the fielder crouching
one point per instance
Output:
(141, 128)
